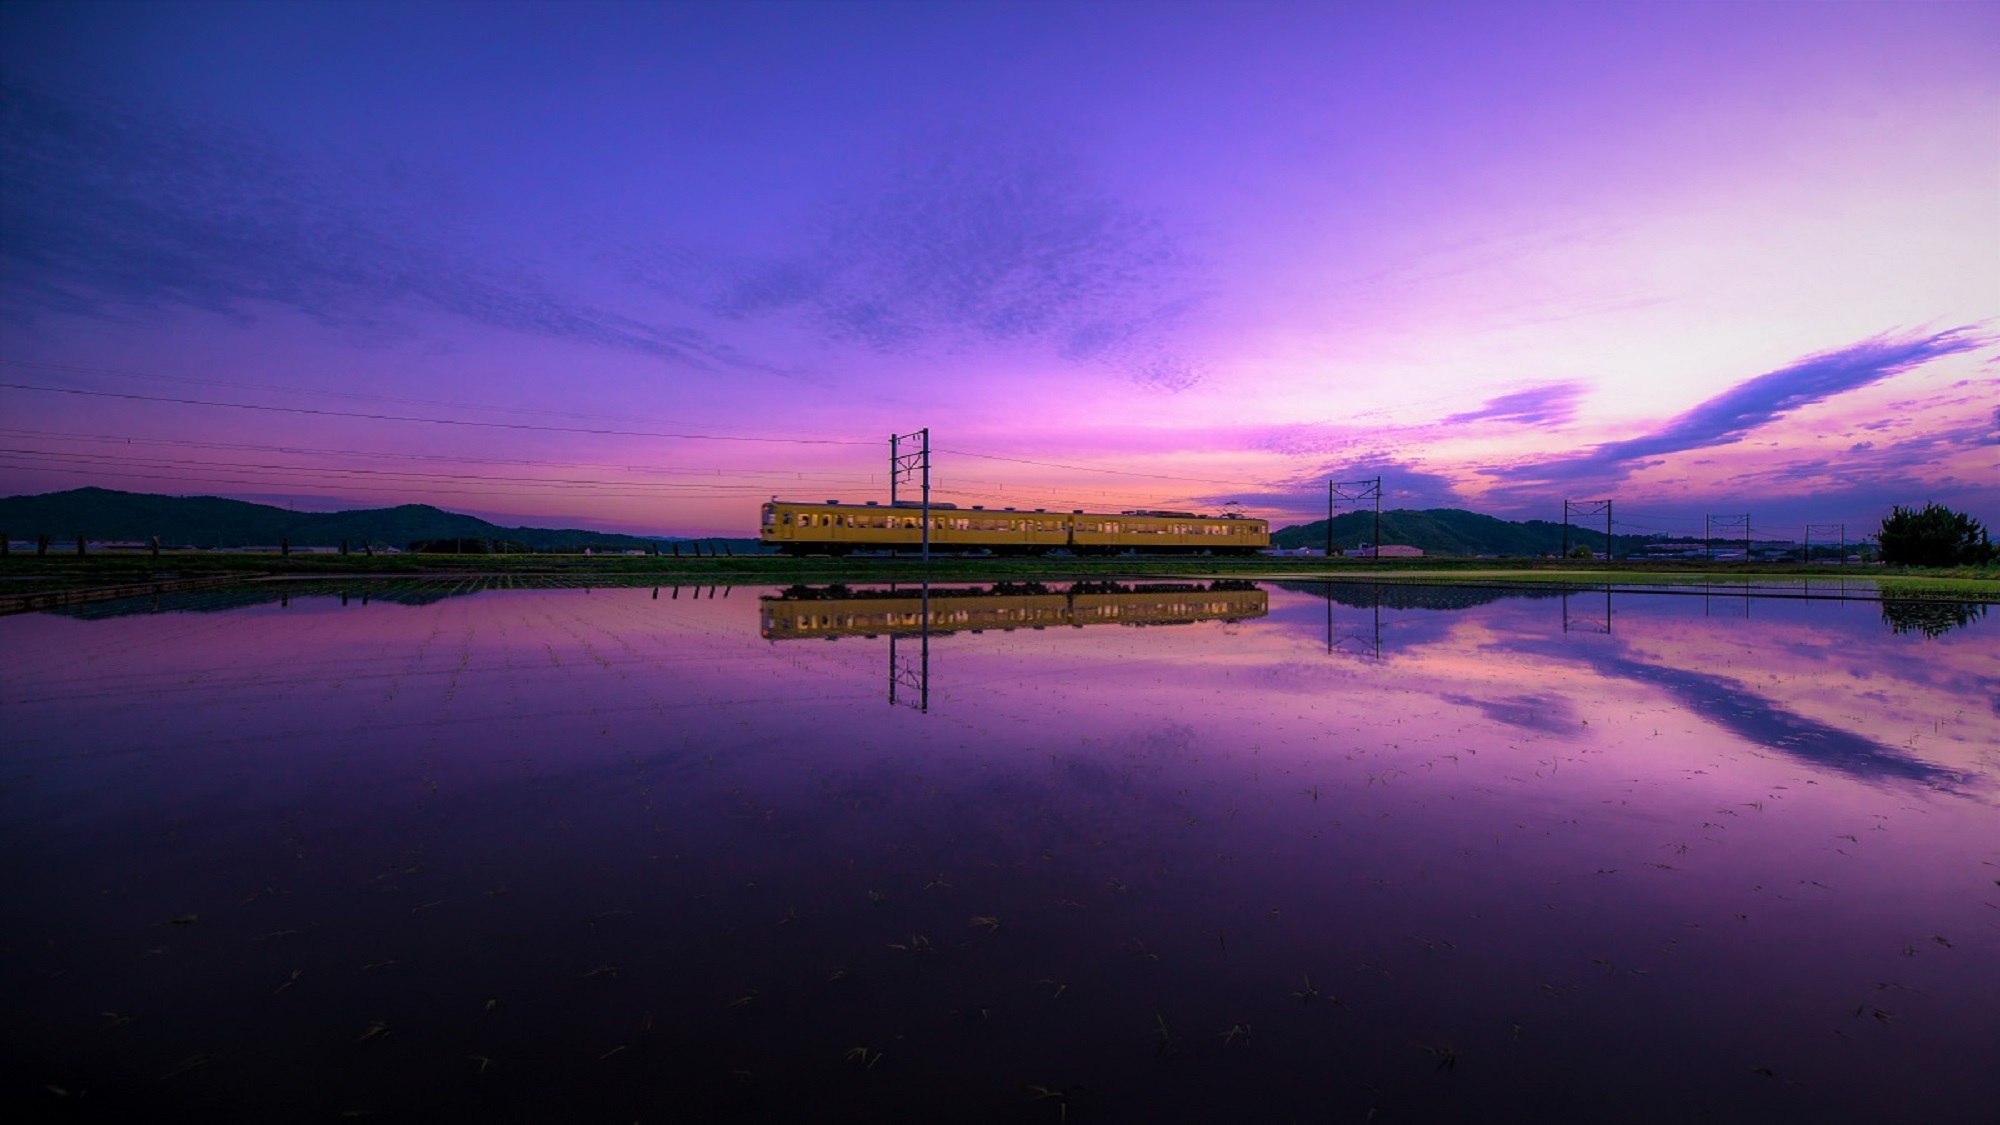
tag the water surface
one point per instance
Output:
(1115, 852)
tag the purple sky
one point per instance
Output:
(1699, 258)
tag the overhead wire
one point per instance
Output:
(315, 411)
(358, 396)
(186, 478)
(1090, 469)
(830, 479)
(443, 458)
(594, 431)
(169, 463)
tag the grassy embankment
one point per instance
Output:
(25, 574)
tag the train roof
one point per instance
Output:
(941, 506)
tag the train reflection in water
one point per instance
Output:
(837, 611)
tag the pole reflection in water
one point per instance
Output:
(1571, 622)
(1366, 642)
(914, 674)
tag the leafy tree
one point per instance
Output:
(1933, 535)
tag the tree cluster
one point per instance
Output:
(1933, 535)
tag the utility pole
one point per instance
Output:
(915, 464)
(1355, 492)
(1840, 558)
(1587, 508)
(1710, 523)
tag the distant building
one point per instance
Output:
(1385, 551)
(1670, 549)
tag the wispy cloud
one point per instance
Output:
(1312, 439)
(1728, 417)
(1550, 405)
(109, 208)
(974, 240)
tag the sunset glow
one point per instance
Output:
(560, 264)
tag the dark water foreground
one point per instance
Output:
(1203, 853)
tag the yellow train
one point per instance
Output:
(834, 528)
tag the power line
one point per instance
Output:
(444, 458)
(1107, 472)
(189, 478)
(1052, 503)
(660, 488)
(601, 432)
(716, 486)
(429, 421)
(358, 396)
(594, 431)
(816, 477)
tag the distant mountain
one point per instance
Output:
(208, 521)
(1451, 531)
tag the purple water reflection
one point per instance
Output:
(1436, 853)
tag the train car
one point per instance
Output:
(835, 528)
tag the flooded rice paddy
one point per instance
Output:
(1206, 852)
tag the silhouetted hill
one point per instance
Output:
(1451, 531)
(208, 521)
